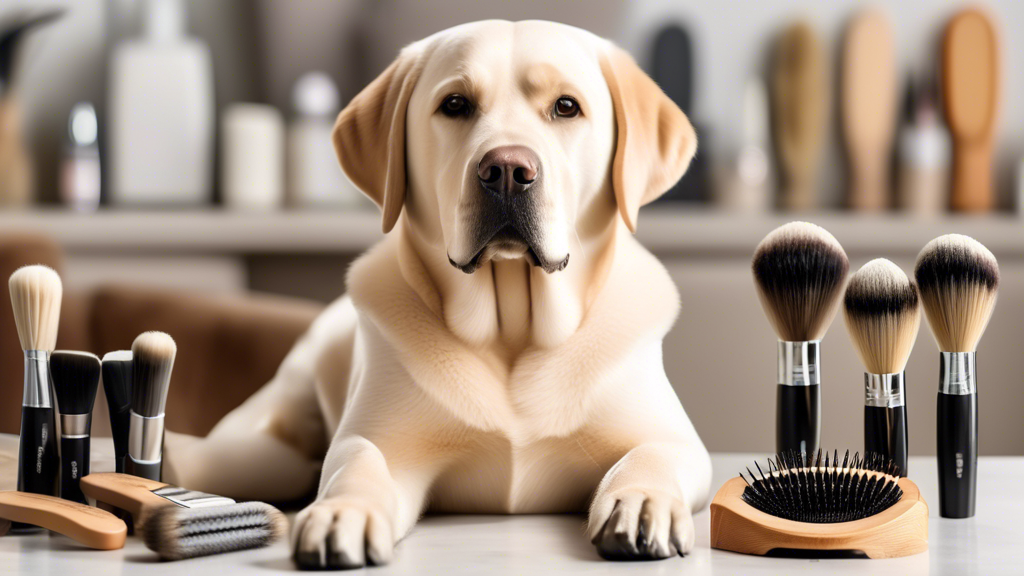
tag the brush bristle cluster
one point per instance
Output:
(117, 379)
(958, 278)
(800, 270)
(802, 488)
(883, 315)
(152, 361)
(175, 533)
(76, 376)
(36, 293)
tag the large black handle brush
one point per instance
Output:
(959, 279)
(76, 376)
(799, 271)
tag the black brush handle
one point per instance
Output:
(150, 470)
(885, 432)
(74, 463)
(120, 426)
(798, 418)
(37, 454)
(957, 454)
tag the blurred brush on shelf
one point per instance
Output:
(922, 152)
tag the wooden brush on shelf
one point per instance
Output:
(805, 507)
(970, 87)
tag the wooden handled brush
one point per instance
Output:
(799, 95)
(970, 85)
(813, 508)
(868, 106)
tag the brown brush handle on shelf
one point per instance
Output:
(972, 176)
(86, 525)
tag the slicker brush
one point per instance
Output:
(958, 278)
(76, 376)
(883, 315)
(152, 361)
(36, 293)
(809, 506)
(799, 271)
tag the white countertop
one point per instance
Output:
(990, 543)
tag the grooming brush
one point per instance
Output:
(76, 375)
(970, 89)
(807, 507)
(883, 317)
(799, 270)
(958, 278)
(117, 386)
(36, 296)
(152, 360)
(177, 523)
(868, 107)
(86, 525)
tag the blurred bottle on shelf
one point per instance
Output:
(161, 113)
(315, 179)
(80, 175)
(923, 152)
(745, 182)
(252, 157)
(16, 178)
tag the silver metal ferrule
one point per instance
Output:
(75, 425)
(37, 380)
(957, 373)
(191, 498)
(799, 363)
(884, 390)
(146, 438)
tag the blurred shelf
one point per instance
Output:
(663, 229)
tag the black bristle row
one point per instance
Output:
(806, 488)
(76, 376)
(176, 533)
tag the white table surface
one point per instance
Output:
(990, 543)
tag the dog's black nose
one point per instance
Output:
(508, 169)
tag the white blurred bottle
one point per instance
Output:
(745, 183)
(315, 178)
(80, 175)
(161, 113)
(923, 154)
(252, 157)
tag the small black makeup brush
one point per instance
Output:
(799, 270)
(152, 360)
(76, 375)
(117, 386)
(883, 316)
(36, 293)
(958, 278)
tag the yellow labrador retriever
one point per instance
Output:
(499, 351)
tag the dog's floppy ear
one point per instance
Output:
(369, 135)
(655, 140)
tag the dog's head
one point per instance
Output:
(501, 138)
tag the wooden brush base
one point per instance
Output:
(901, 530)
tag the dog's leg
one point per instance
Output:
(270, 447)
(643, 506)
(362, 510)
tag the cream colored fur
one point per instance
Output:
(509, 390)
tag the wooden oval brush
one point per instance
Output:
(799, 270)
(970, 86)
(958, 278)
(868, 107)
(814, 508)
(883, 316)
(799, 95)
(86, 525)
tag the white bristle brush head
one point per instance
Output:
(153, 356)
(36, 293)
(883, 315)
(800, 270)
(959, 279)
(176, 533)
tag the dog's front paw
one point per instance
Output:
(340, 533)
(636, 524)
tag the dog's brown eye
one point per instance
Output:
(566, 107)
(456, 105)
